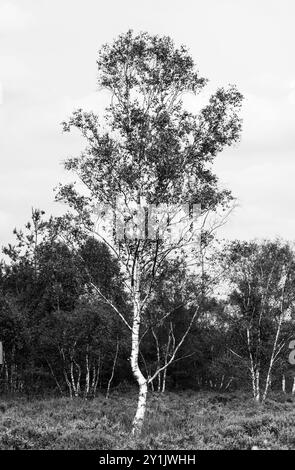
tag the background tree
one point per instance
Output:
(45, 292)
(262, 294)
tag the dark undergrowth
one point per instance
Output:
(177, 421)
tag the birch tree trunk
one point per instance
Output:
(113, 370)
(87, 376)
(272, 359)
(68, 383)
(138, 375)
(95, 376)
(275, 352)
(283, 384)
(254, 369)
(257, 385)
(164, 381)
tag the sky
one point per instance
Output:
(48, 51)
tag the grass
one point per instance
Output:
(186, 420)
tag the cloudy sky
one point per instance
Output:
(48, 51)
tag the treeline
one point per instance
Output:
(61, 335)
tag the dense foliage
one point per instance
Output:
(61, 338)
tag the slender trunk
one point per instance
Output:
(164, 380)
(272, 359)
(267, 383)
(283, 384)
(73, 379)
(68, 383)
(293, 386)
(257, 384)
(228, 383)
(78, 382)
(12, 370)
(87, 378)
(138, 375)
(253, 380)
(93, 380)
(113, 370)
(142, 384)
(6, 374)
(254, 369)
(97, 377)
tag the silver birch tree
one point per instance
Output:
(147, 151)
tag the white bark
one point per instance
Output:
(68, 383)
(276, 349)
(95, 376)
(254, 370)
(283, 384)
(257, 385)
(138, 375)
(228, 383)
(164, 380)
(87, 378)
(272, 359)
